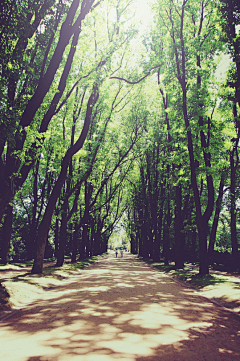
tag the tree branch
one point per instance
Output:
(138, 81)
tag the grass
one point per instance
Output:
(18, 288)
(219, 286)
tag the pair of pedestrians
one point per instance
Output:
(121, 252)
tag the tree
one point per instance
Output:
(19, 117)
(230, 19)
(118, 126)
(46, 221)
(190, 48)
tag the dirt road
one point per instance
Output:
(120, 309)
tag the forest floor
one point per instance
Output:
(116, 309)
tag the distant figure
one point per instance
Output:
(121, 253)
(116, 253)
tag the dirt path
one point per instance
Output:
(120, 309)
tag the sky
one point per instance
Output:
(143, 12)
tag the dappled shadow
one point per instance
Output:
(208, 280)
(121, 309)
(15, 270)
(225, 302)
(50, 270)
(190, 275)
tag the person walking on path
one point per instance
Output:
(116, 253)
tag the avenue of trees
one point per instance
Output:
(102, 122)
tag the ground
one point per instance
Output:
(118, 309)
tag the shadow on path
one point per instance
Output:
(121, 309)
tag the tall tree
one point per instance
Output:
(17, 118)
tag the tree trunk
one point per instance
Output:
(31, 240)
(194, 246)
(233, 213)
(56, 234)
(166, 247)
(6, 235)
(216, 218)
(203, 255)
(166, 230)
(33, 225)
(88, 243)
(75, 243)
(84, 247)
(179, 236)
(62, 236)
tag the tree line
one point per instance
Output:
(100, 124)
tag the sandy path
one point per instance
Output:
(120, 309)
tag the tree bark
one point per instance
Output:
(74, 243)
(179, 236)
(62, 235)
(6, 235)
(56, 234)
(216, 217)
(33, 225)
(233, 211)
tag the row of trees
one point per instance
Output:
(183, 176)
(57, 99)
(98, 124)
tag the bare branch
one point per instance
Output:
(138, 81)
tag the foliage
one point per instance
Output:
(160, 154)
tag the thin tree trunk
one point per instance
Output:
(6, 235)
(216, 217)
(62, 235)
(56, 234)
(233, 212)
(74, 243)
(167, 224)
(33, 226)
(179, 236)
